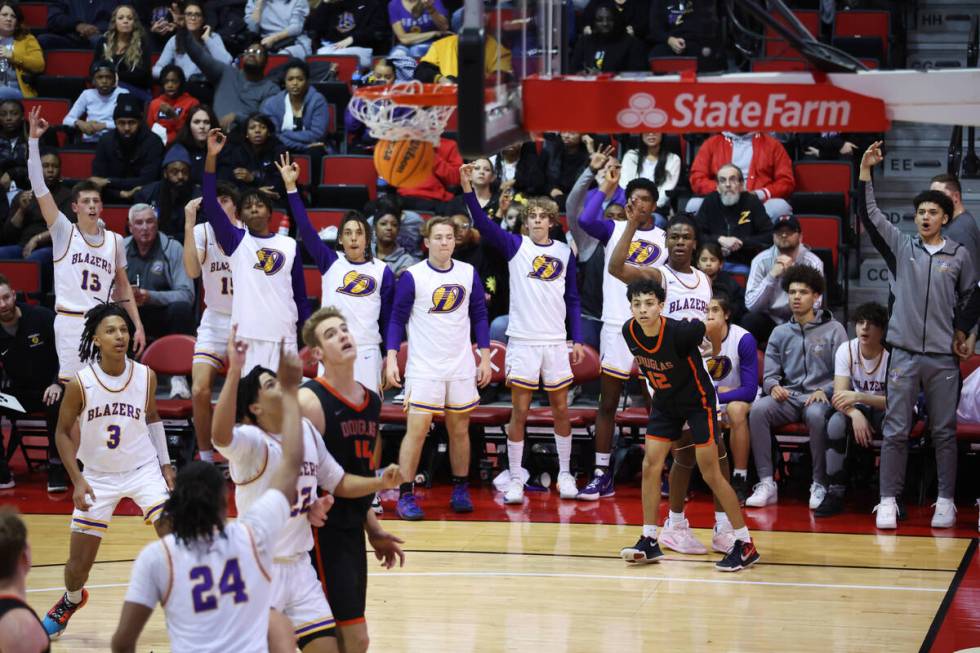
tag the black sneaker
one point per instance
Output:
(832, 504)
(741, 486)
(742, 555)
(646, 550)
(57, 478)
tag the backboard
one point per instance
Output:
(500, 44)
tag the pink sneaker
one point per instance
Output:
(680, 538)
(723, 539)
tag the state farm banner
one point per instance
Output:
(616, 105)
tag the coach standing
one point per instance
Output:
(931, 276)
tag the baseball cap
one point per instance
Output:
(127, 107)
(790, 221)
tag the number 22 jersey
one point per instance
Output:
(671, 362)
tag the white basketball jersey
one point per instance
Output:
(215, 270)
(648, 249)
(253, 472)
(114, 434)
(263, 306)
(219, 594)
(84, 273)
(439, 344)
(688, 294)
(868, 376)
(538, 274)
(355, 288)
(724, 368)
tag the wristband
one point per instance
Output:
(159, 438)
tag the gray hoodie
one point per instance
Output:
(764, 292)
(928, 288)
(802, 359)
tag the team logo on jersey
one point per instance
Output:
(357, 284)
(447, 298)
(546, 268)
(270, 260)
(719, 367)
(643, 252)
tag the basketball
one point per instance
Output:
(404, 164)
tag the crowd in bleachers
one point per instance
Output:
(135, 91)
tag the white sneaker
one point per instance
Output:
(817, 495)
(566, 486)
(376, 506)
(945, 514)
(886, 515)
(723, 538)
(763, 494)
(179, 388)
(515, 491)
(680, 538)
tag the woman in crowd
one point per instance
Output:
(387, 225)
(193, 137)
(127, 45)
(299, 112)
(416, 24)
(519, 166)
(251, 163)
(652, 161)
(20, 54)
(279, 24)
(173, 53)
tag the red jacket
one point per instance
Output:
(181, 104)
(445, 174)
(771, 170)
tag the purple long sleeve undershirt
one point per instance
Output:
(228, 235)
(387, 297)
(573, 305)
(402, 310)
(303, 310)
(592, 221)
(748, 373)
(506, 243)
(322, 254)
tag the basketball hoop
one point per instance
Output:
(405, 111)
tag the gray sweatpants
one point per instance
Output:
(939, 377)
(767, 413)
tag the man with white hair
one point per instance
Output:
(735, 219)
(163, 292)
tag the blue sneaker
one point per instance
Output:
(460, 500)
(57, 618)
(600, 487)
(407, 509)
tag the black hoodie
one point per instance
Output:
(128, 163)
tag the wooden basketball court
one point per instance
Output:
(524, 586)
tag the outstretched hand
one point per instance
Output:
(872, 156)
(216, 141)
(290, 372)
(38, 125)
(466, 177)
(289, 171)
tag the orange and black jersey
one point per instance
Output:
(671, 363)
(350, 433)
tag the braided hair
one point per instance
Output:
(87, 349)
(195, 510)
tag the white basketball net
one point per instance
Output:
(388, 120)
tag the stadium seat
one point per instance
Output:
(29, 432)
(586, 371)
(820, 204)
(116, 218)
(76, 164)
(852, 27)
(53, 109)
(314, 282)
(347, 180)
(323, 218)
(347, 65)
(824, 177)
(274, 61)
(24, 277)
(66, 72)
(171, 355)
(673, 65)
(777, 46)
(35, 14)
(822, 232)
(779, 65)
(493, 416)
(305, 169)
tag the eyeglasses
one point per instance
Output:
(193, 14)
(255, 51)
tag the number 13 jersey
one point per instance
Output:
(84, 267)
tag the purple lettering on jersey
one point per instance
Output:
(230, 583)
(220, 266)
(115, 409)
(84, 258)
(876, 387)
(688, 303)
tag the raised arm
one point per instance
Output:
(193, 254)
(227, 234)
(504, 242)
(45, 200)
(617, 260)
(290, 375)
(592, 221)
(871, 216)
(211, 67)
(223, 420)
(323, 255)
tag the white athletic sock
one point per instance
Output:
(888, 501)
(515, 457)
(563, 443)
(207, 455)
(602, 459)
(742, 534)
(675, 519)
(75, 597)
(744, 473)
(650, 530)
(721, 519)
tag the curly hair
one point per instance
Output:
(196, 507)
(800, 273)
(87, 349)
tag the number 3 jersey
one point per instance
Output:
(349, 434)
(114, 435)
(216, 594)
(253, 457)
(671, 362)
